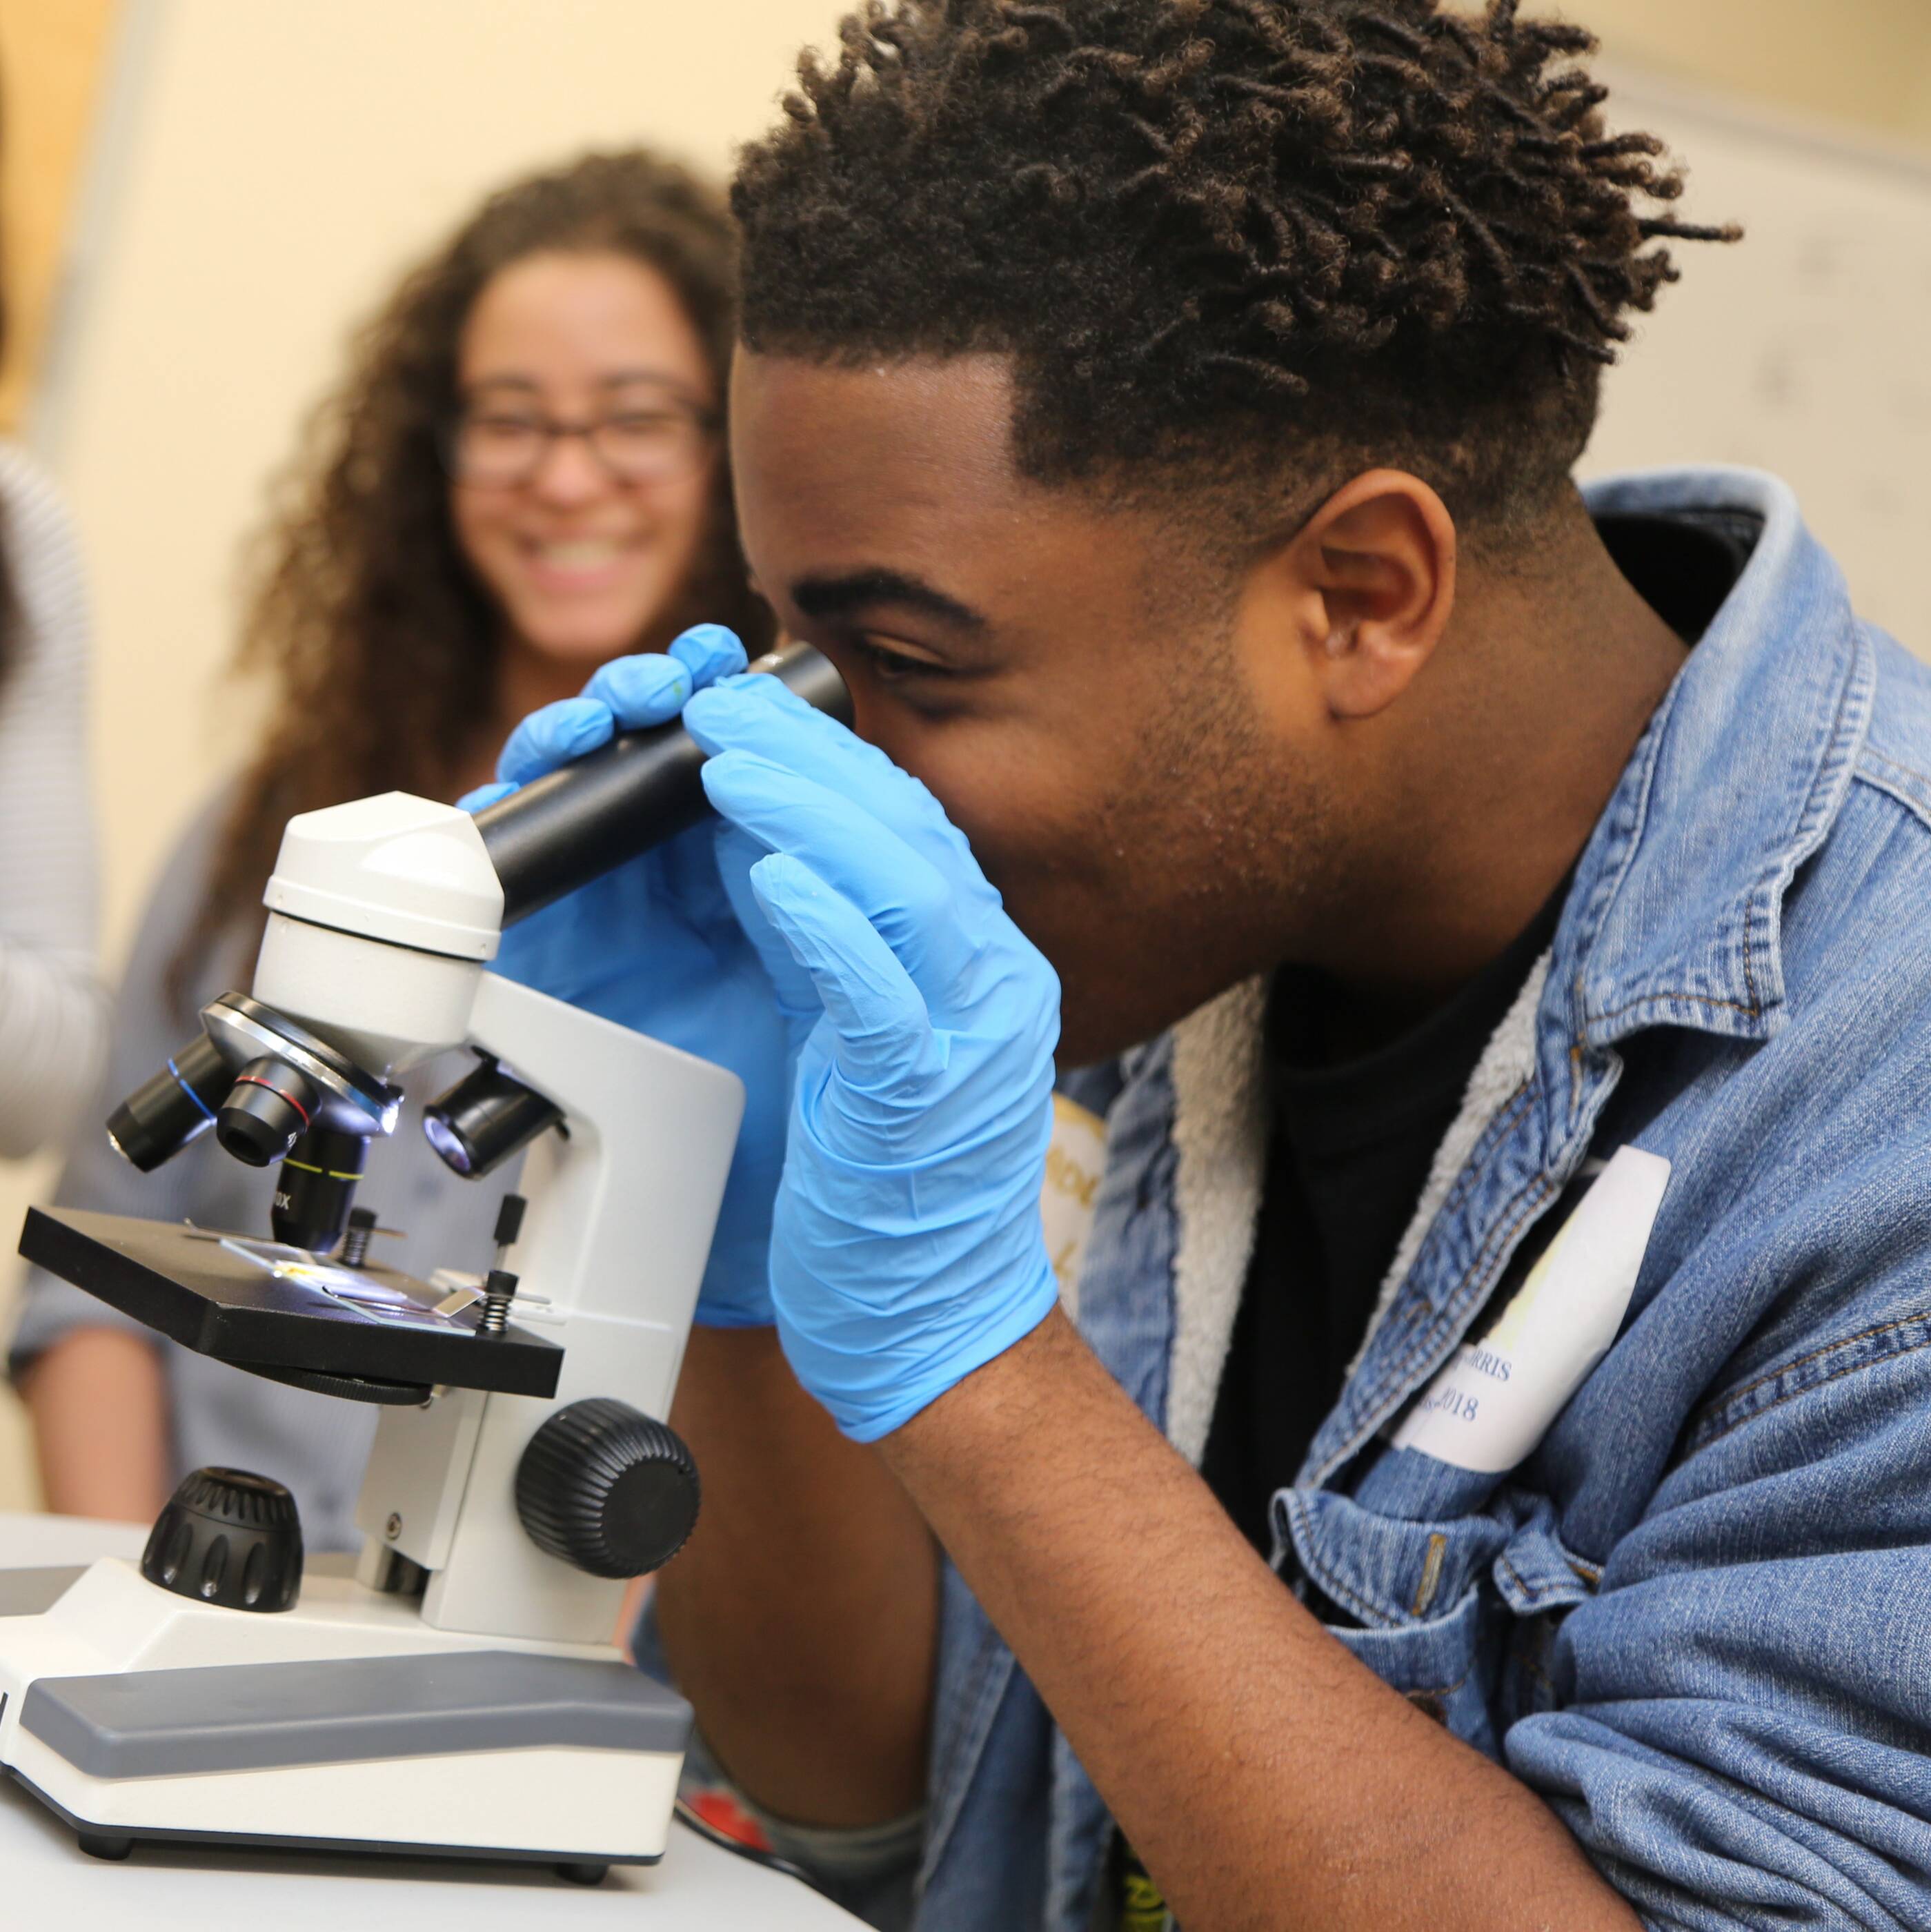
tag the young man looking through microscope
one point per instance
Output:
(1164, 416)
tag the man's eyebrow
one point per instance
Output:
(825, 597)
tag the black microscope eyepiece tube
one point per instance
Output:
(315, 1188)
(178, 1106)
(573, 824)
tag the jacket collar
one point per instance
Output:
(1675, 916)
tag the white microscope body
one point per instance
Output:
(620, 1213)
(432, 1717)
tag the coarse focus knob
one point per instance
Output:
(229, 1537)
(607, 1489)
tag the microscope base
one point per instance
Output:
(118, 1841)
(345, 1724)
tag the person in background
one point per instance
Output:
(521, 478)
(53, 1019)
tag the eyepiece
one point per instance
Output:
(484, 1119)
(317, 1188)
(269, 1106)
(161, 1117)
(573, 824)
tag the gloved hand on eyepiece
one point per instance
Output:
(656, 946)
(907, 1248)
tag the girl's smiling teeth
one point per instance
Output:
(577, 556)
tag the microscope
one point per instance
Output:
(455, 1691)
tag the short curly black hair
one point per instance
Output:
(1246, 240)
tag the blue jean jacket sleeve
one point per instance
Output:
(1743, 1704)
(1740, 1712)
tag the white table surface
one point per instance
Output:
(46, 1879)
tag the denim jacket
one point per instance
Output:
(1696, 1618)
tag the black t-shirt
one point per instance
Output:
(1350, 1142)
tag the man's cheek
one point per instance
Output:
(990, 833)
(1067, 926)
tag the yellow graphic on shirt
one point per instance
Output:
(1074, 1160)
(1142, 1907)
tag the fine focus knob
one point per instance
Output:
(607, 1489)
(229, 1537)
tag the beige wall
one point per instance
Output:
(51, 55)
(1800, 350)
(283, 158)
(1865, 64)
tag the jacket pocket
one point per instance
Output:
(1457, 1614)
(1443, 1666)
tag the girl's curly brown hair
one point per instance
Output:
(378, 639)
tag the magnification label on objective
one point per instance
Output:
(1075, 1160)
(1496, 1398)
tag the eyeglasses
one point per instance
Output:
(496, 447)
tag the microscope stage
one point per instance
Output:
(296, 1317)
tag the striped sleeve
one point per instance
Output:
(52, 1011)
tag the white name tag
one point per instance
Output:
(1496, 1398)
(1073, 1161)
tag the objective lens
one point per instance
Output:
(269, 1106)
(161, 1116)
(484, 1119)
(315, 1188)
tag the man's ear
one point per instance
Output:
(1372, 583)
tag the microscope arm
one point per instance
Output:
(609, 1259)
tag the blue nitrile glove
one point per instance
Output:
(656, 947)
(907, 1247)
